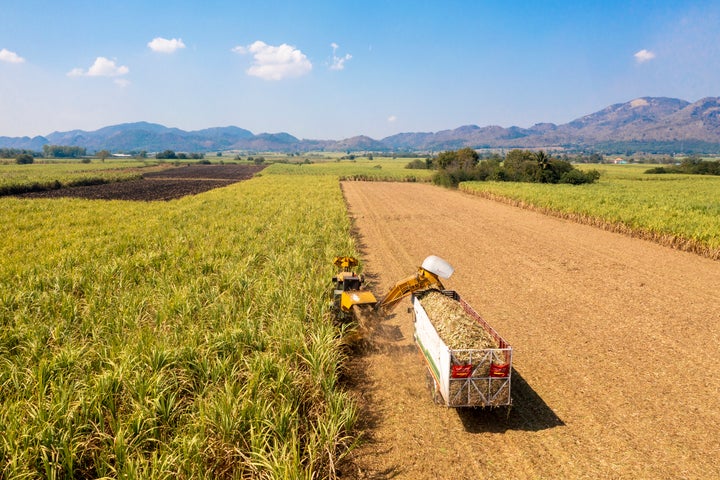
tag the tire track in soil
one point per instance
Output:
(616, 365)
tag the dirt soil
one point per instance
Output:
(166, 184)
(616, 346)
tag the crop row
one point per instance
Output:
(188, 339)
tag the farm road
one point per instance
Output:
(616, 346)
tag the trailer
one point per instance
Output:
(463, 377)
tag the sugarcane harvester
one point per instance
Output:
(474, 374)
(351, 294)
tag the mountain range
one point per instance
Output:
(645, 124)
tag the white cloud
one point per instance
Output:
(10, 57)
(106, 68)
(644, 56)
(275, 63)
(163, 45)
(392, 119)
(102, 67)
(338, 63)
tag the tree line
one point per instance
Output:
(15, 152)
(455, 166)
(63, 151)
(691, 165)
(172, 155)
(23, 156)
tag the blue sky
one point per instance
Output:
(336, 69)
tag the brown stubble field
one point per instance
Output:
(616, 346)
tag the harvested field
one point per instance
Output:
(166, 184)
(616, 363)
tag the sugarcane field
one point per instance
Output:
(377, 240)
(166, 319)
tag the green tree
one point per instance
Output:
(63, 151)
(490, 169)
(103, 154)
(577, 177)
(467, 158)
(446, 159)
(166, 154)
(544, 171)
(455, 166)
(515, 164)
(542, 159)
(417, 164)
(24, 159)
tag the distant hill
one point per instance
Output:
(662, 123)
(27, 143)
(647, 124)
(151, 137)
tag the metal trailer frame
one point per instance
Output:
(475, 387)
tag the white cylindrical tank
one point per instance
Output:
(438, 266)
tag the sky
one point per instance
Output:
(336, 69)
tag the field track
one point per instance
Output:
(617, 350)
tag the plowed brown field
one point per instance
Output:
(616, 341)
(167, 184)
